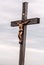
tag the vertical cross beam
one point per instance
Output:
(22, 46)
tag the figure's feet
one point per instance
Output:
(20, 42)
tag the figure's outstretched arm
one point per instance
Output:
(17, 23)
(25, 22)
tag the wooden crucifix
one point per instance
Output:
(22, 30)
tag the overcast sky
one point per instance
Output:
(11, 10)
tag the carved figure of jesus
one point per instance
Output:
(20, 33)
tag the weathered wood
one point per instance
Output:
(33, 21)
(22, 47)
(30, 21)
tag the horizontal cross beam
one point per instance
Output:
(30, 21)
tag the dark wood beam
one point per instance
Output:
(22, 46)
(31, 21)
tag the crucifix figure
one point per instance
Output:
(22, 30)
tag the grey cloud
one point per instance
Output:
(36, 34)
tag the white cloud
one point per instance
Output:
(34, 57)
(31, 41)
(8, 54)
(35, 50)
(25, 0)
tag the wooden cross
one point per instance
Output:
(22, 30)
